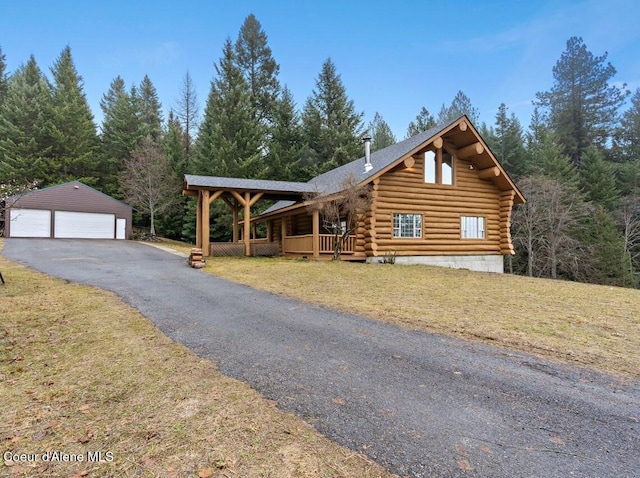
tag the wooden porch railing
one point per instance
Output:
(304, 244)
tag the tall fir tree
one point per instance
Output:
(25, 142)
(4, 77)
(170, 223)
(460, 105)
(508, 143)
(381, 134)
(628, 133)
(72, 127)
(582, 104)
(332, 126)
(121, 132)
(285, 142)
(255, 60)
(230, 142)
(423, 122)
(149, 110)
(597, 179)
(549, 161)
(188, 113)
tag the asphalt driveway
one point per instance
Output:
(420, 404)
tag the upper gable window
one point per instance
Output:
(435, 173)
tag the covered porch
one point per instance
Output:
(284, 236)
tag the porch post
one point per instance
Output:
(247, 224)
(199, 219)
(205, 223)
(283, 233)
(316, 233)
(236, 220)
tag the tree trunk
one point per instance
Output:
(152, 230)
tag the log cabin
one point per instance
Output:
(440, 197)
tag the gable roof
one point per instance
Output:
(34, 192)
(384, 159)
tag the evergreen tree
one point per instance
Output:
(597, 179)
(549, 161)
(509, 143)
(121, 132)
(286, 142)
(332, 127)
(171, 223)
(230, 140)
(582, 104)
(260, 70)
(424, 121)
(461, 105)
(609, 263)
(25, 143)
(4, 77)
(173, 142)
(628, 134)
(149, 110)
(188, 113)
(381, 134)
(73, 131)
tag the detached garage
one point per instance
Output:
(68, 211)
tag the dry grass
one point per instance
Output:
(586, 324)
(80, 372)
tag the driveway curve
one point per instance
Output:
(420, 404)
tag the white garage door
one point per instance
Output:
(30, 223)
(84, 225)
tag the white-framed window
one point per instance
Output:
(431, 168)
(407, 225)
(472, 227)
(447, 167)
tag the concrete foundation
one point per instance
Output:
(480, 263)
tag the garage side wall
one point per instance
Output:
(75, 197)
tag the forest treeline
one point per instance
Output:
(577, 162)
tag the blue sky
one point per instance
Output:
(393, 56)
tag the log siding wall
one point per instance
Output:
(403, 190)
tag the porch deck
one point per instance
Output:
(301, 245)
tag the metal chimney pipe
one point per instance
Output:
(367, 154)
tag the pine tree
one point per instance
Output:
(582, 104)
(549, 161)
(188, 113)
(230, 142)
(597, 179)
(255, 61)
(461, 105)
(72, 128)
(423, 122)
(121, 132)
(628, 134)
(381, 134)
(149, 110)
(509, 143)
(171, 223)
(332, 127)
(25, 143)
(286, 142)
(4, 77)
